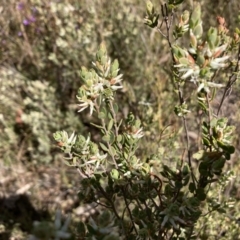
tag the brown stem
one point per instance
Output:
(232, 79)
(128, 209)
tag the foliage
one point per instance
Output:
(47, 230)
(157, 202)
(170, 174)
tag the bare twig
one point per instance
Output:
(232, 79)
(128, 209)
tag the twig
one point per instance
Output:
(232, 79)
(128, 209)
(209, 119)
(158, 190)
(180, 94)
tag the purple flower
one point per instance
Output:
(20, 6)
(32, 19)
(19, 34)
(26, 22)
(34, 9)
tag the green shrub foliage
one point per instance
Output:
(155, 144)
(151, 199)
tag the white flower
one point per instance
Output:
(115, 81)
(219, 50)
(219, 62)
(72, 139)
(98, 156)
(203, 86)
(216, 85)
(85, 104)
(136, 135)
(189, 71)
(98, 87)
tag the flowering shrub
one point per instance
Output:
(145, 200)
(167, 176)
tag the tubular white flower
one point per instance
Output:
(85, 104)
(219, 62)
(220, 49)
(98, 87)
(115, 81)
(137, 135)
(108, 68)
(188, 73)
(72, 139)
(98, 156)
(116, 87)
(217, 85)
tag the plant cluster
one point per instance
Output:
(143, 201)
(161, 153)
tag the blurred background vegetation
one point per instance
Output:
(43, 45)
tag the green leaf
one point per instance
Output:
(198, 31)
(150, 7)
(110, 124)
(57, 136)
(191, 187)
(195, 16)
(114, 174)
(203, 168)
(104, 148)
(227, 155)
(206, 141)
(185, 170)
(221, 210)
(115, 107)
(106, 138)
(199, 155)
(91, 229)
(218, 164)
(115, 65)
(113, 150)
(228, 148)
(102, 115)
(212, 38)
(119, 138)
(112, 137)
(186, 180)
(97, 126)
(200, 194)
(125, 154)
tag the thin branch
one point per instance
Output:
(180, 94)
(160, 188)
(109, 200)
(128, 209)
(232, 79)
(209, 118)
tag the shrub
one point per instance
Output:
(149, 198)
